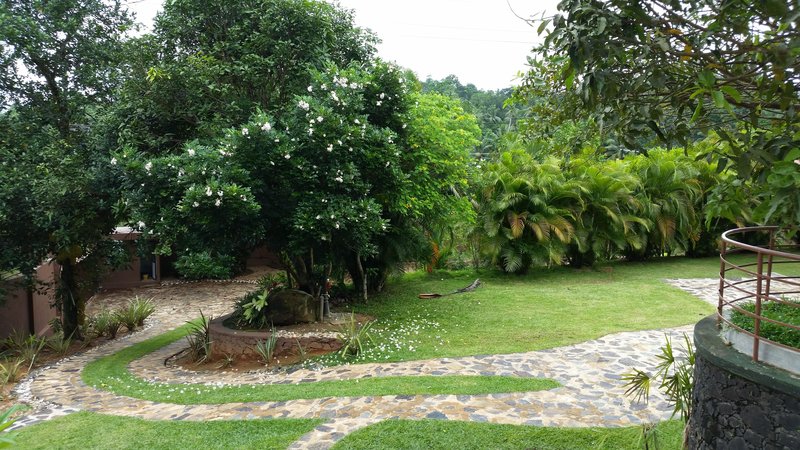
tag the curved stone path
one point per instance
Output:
(592, 392)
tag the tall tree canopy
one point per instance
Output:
(59, 61)
(209, 64)
(668, 69)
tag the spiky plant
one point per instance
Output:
(674, 376)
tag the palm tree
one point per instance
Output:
(668, 194)
(525, 211)
(609, 215)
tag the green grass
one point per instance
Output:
(111, 373)
(85, 430)
(440, 434)
(776, 311)
(545, 309)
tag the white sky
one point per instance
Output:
(480, 41)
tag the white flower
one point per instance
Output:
(209, 191)
(245, 131)
(334, 96)
(113, 161)
(319, 119)
(339, 179)
(191, 152)
(266, 127)
(148, 166)
(277, 140)
(310, 88)
(195, 204)
(140, 224)
(287, 156)
(310, 131)
(404, 126)
(220, 193)
(337, 225)
(332, 216)
(330, 148)
(271, 163)
(387, 163)
(318, 217)
(180, 173)
(303, 105)
(378, 103)
(339, 142)
(218, 202)
(382, 95)
(356, 121)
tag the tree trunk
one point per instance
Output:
(362, 275)
(70, 299)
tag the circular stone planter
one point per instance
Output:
(739, 403)
(242, 344)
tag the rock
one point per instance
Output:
(290, 306)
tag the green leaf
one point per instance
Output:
(542, 26)
(719, 99)
(697, 112)
(706, 79)
(601, 24)
(731, 92)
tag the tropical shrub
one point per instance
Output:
(609, 213)
(526, 211)
(249, 310)
(668, 194)
(202, 266)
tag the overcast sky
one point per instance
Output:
(480, 41)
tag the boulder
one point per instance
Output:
(290, 306)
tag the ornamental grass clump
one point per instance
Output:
(105, 323)
(59, 344)
(141, 308)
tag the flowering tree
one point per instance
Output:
(195, 202)
(328, 169)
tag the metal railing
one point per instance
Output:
(757, 280)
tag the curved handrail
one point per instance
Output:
(757, 283)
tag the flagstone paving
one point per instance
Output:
(592, 392)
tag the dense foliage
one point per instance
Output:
(674, 71)
(59, 62)
(585, 210)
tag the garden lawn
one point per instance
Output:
(442, 434)
(111, 373)
(545, 309)
(83, 430)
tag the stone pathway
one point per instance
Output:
(592, 392)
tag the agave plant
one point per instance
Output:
(354, 337)
(526, 210)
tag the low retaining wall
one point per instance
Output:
(242, 344)
(738, 403)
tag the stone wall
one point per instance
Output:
(242, 344)
(738, 403)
